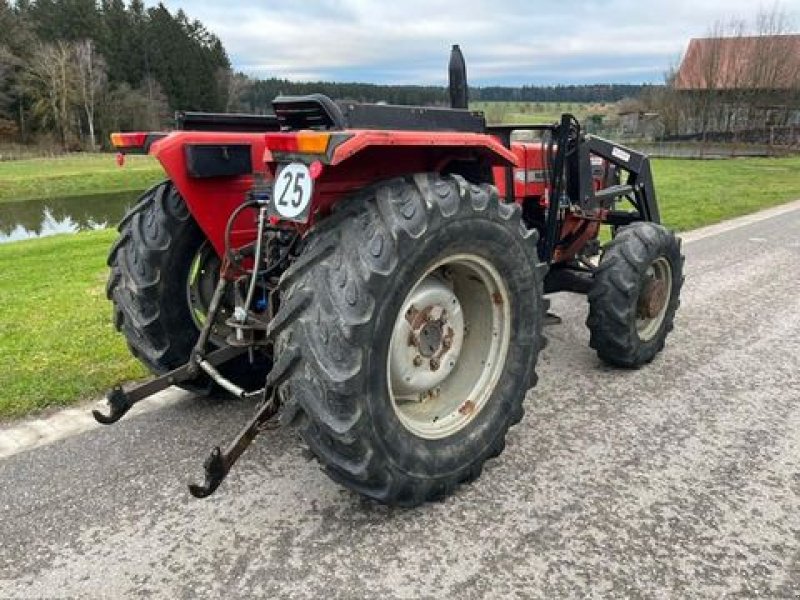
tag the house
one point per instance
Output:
(763, 63)
(733, 85)
(638, 123)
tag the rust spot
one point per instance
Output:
(417, 318)
(467, 408)
(447, 340)
(653, 298)
(497, 298)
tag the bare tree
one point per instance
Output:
(49, 81)
(91, 79)
(232, 85)
(772, 75)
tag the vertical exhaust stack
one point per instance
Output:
(459, 96)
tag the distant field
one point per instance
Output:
(75, 175)
(526, 113)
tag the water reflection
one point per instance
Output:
(40, 218)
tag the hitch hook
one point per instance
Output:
(119, 403)
(219, 463)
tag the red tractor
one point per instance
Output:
(377, 276)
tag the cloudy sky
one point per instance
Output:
(505, 41)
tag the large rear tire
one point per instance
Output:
(407, 336)
(157, 299)
(635, 295)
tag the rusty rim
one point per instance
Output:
(448, 346)
(653, 299)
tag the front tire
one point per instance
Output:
(345, 374)
(635, 295)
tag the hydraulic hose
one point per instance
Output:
(262, 215)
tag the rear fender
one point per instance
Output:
(365, 157)
(212, 197)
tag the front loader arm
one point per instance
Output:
(639, 187)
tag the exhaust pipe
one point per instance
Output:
(459, 94)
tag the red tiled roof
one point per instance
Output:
(763, 62)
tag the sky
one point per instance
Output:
(505, 42)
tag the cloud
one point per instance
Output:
(505, 41)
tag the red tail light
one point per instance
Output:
(124, 141)
(301, 142)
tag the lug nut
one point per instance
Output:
(417, 361)
(434, 364)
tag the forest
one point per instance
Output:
(73, 70)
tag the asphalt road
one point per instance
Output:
(681, 479)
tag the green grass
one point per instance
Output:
(58, 346)
(694, 193)
(57, 343)
(75, 175)
(526, 113)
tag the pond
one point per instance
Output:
(40, 218)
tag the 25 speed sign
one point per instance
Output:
(291, 196)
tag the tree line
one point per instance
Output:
(256, 95)
(74, 70)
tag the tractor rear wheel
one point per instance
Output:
(407, 336)
(162, 274)
(635, 294)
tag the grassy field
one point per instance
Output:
(525, 113)
(75, 175)
(58, 346)
(694, 193)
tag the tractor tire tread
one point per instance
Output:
(328, 305)
(612, 299)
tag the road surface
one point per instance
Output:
(680, 479)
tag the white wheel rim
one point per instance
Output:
(448, 346)
(647, 326)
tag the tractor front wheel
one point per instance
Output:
(635, 294)
(407, 336)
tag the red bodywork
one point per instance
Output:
(360, 158)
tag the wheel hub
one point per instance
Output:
(430, 338)
(427, 343)
(653, 298)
